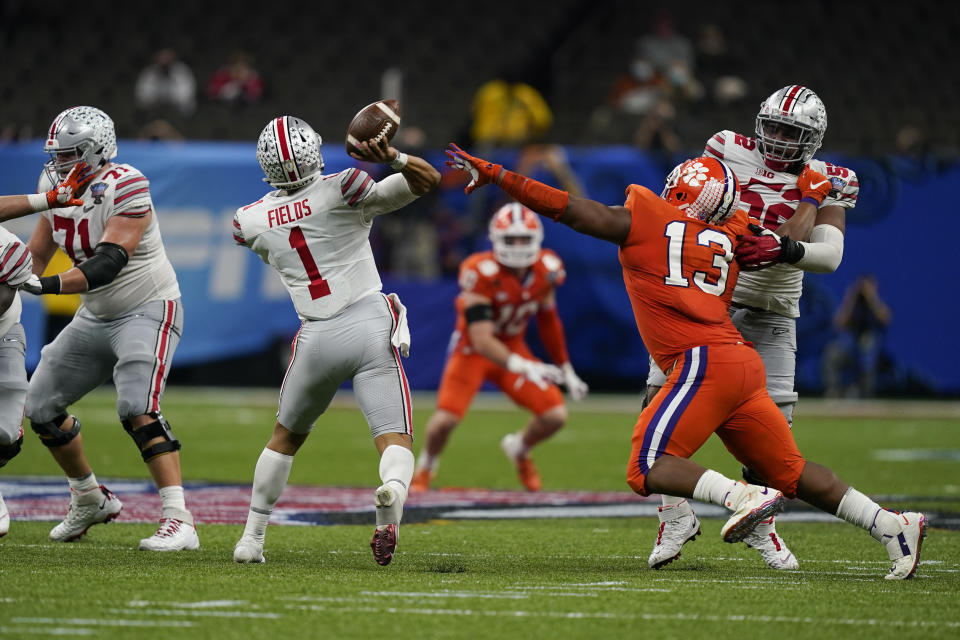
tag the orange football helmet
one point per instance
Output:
(704, 188)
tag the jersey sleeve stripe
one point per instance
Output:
(712, 150)
(9, 272)
(362, 192)
(347, 179)
(125, 183)
(137, 213)
(8, 254)
(239, 240)
(118, 200)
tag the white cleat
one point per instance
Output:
(4, 517)
(678, 526)
(904, 548)
(174, 534)
(756, 503)
(248, 551)
(772, 548)
(86, 509)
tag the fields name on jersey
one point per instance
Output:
(284, 215)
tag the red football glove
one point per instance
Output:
(482, 171)
(765, 249)
(62, 195)
(813, 185)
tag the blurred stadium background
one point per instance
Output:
(625, 97)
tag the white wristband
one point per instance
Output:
(399, 162)
(38, 202)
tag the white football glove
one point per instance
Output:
(539, 373)
(32, 285)
(576, 387)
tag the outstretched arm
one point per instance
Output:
(61, 195)
(420, 175)
(586, 216)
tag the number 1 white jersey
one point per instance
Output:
(772, 197)
(317, 239)
(16, 266)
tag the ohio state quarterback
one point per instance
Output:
(500, 290)
(801, 203)
(314, 231)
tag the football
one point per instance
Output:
(374, 122)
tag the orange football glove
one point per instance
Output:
(813, 185)
(63, 194)
(480, 170)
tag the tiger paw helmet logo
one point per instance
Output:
(97, 190)
(695, 174)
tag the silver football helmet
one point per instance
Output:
(791, 124)
(79, 134)
(289, 153)
(516, 234)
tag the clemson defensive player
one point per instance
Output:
(500, 290)
(677, 253)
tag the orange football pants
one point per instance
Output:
(464, 374)
(717, 389)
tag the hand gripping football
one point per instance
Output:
(374, 122)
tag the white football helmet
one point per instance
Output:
(800, 118)
(703, 187)
(516, 234)
(79, 134)
(289, 153)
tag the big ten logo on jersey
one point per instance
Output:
(766, 173)
(287, 213)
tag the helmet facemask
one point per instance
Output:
(790, 125)
(289, 153)
(516, 235)
(79, 134)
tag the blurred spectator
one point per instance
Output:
(911, 140)
(852, 362)
(508, 113)
(665, 46)
(159, 129)
(715, 66)
(657, 130)
(237, 82)
(166, 83)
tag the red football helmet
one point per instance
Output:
(516, 234)
(705, 188)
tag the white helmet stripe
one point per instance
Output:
(283, 148)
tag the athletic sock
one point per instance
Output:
(269, 481)
(860, 510)
(84, 483)
(396, 468)
(172, 502)
(427, 461)
(670, 501)
(718, 489)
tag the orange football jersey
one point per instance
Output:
(679, 272)
(514, 301)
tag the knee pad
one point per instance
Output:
(50, 433)
(9, 451)
(159, 428)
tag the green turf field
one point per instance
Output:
(488, 579)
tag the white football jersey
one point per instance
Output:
(16, 266)
(120, 190)
(772, 197)
(317, 239)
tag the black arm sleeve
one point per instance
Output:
(478, 312)
(107, 261)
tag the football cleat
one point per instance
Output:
(86, 509)
(174, 534)
(248, 551)
(904, 548)
(384, 543)
(678, 526)
(421, 480)
(4, 517)
(512, 446)
(772, 548)
(756, 504)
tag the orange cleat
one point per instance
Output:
(527, 472)
(421, 480)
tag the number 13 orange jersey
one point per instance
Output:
(514, 301)
(679, 272)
